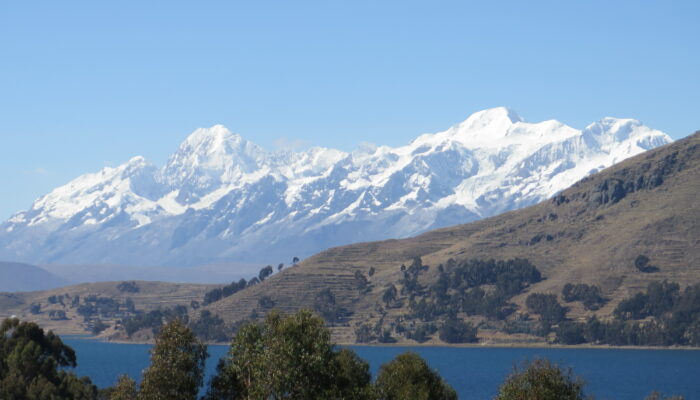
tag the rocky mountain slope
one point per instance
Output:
(593, 232)
(222, 198)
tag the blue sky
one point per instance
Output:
(89, 84)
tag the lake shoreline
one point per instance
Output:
(475, 371)
(514, 345)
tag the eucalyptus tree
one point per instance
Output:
(289, 357)
(32, 362)
(176, 371)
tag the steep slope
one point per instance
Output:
(17, 277)
(590, 233)
(222, 198)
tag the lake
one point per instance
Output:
(475, 373)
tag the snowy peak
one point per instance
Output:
(217, 149)
(111, 186)
(488, 125)
(615, 129)
(497, 128)
(210, 157)
(610, 131)
(211, 143)
(484, 128)
(492, 116)
(221, 197)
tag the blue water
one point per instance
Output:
(474, 372)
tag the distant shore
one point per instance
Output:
(514, 345)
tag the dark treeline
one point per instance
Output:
(459, 288)
(663, 315)
(470, 288)
(208, 326)
(235, 287)
(589, 295)
(283, 357)
(549, 309)
(226, 291)
(153, 319)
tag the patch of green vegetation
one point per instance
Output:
(470, 288)
(642, 264)
(228, 290)
(235, 287)
(282, 357)
(153, 319)
(211, 327)
(128, 287)
(463, 288)
(589, 295)
(33, 365)
(454, 330)
(541, 380)
(663, 315)
(94, 306)
(547, 306)
(325, 304)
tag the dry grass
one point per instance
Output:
(581, 240)
(151, 295)
(590, 242)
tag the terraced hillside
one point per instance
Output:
(592, 232)
(78, 309)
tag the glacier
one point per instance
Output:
(222, 198)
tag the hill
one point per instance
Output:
(99, 307)
(18, 277)
(620, 229)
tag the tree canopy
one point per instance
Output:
(289, 357)
(31, 362)
(125, 389)
(176, 371)
(541, 380)
(408, 377)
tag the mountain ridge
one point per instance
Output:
(20, 277)
(222, 198)
(592, 233)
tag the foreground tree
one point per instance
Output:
(541, 380)
(352, 377)
(125, 389)
(289, 358)
(408, 377)
(177, 365)
(30, 362)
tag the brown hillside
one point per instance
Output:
(149, 296)
(590, 233)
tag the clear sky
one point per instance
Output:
(89, 84)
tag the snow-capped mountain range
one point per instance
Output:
(221, 197)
